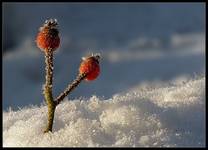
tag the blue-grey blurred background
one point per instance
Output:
(139, 42)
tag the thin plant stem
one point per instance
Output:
(70, 87)
(48, 89)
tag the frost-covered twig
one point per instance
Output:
(48, 41)
(89, 70)
(70, 87)
(48, 89)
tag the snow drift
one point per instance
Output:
(170, 115)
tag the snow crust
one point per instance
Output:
(172, 115)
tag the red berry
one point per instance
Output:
(91, 67)
(48, 36)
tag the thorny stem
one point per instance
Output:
(70, 87)
(48, 89)
(49, 69)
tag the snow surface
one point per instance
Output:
(171, 116)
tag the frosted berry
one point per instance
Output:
(90, 66)
(48, 36)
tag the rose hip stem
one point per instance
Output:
(89, 69)
(48, 89)
(70, 87)
(48, 41)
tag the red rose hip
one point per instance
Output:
(90, 66)
(48, 36)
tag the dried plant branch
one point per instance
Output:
(70, 87)
(48, 41)
(48, 89)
